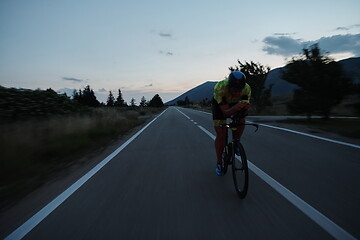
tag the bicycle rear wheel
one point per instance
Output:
(240, 172)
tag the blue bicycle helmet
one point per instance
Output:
(236, 81)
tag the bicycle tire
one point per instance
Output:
(240, 172)
(227, 153)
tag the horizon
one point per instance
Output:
(103, 97)
(160, 47)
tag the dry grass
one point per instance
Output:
(33, 150)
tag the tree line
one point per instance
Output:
(321, 83)
(87, 97)
(19, 104)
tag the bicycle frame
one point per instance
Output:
(229, 158)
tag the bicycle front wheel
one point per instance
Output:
(227, 153)
(240, 173)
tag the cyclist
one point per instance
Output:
(231, 95)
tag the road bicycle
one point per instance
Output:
(240, 171)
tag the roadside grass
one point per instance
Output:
(342, 126)
(33, 151)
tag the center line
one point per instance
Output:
(328, 225)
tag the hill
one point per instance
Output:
(351, 67)
(281, 87)
(196, 94)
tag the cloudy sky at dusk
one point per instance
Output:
(166, 47)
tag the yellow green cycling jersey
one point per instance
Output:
(222, 93)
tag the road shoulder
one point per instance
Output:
(15, 215)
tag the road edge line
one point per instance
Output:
(309, 135)
(38, 217)
(320, 219)
(300, 133)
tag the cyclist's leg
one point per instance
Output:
(219, 142)
(219, 119)
(238, 133)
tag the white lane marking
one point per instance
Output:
(310, 135)
(301, 133)
(207, 132)
(329, 226)
(184, 114)
(25, 228)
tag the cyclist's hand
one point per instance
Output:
(242, 105)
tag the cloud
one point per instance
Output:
(341, 28)
(284, 34)
(165, 35)
(285, 46)
(347, 28)
(288, 46)
(167, 53)
(72, 79)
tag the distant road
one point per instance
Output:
(161, 184)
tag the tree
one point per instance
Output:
(76, 95)
(156, 101)
(110, 100)
(143, 102)
(86, 97)
(321, 81)
(180, 103)
(187, 100)
(119, 100)
(256, 74)
(205, 102)
(132, 102)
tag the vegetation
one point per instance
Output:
(256, 75)
(143, 102)
(43, 133)
(86, 97)
(119, 100)
(156, 101)
(111, 100)
(186, 102)
(321, 80)
(21, 104)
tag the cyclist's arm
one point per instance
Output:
(228, 111)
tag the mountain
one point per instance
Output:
(351, 67)
(281, 87)
(196, 94)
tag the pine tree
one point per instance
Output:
(132, 102)
(110, 100)
(156, 101)
(119, 100)
(143, 102)
(86, 97)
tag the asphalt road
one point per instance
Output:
(163, 185)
